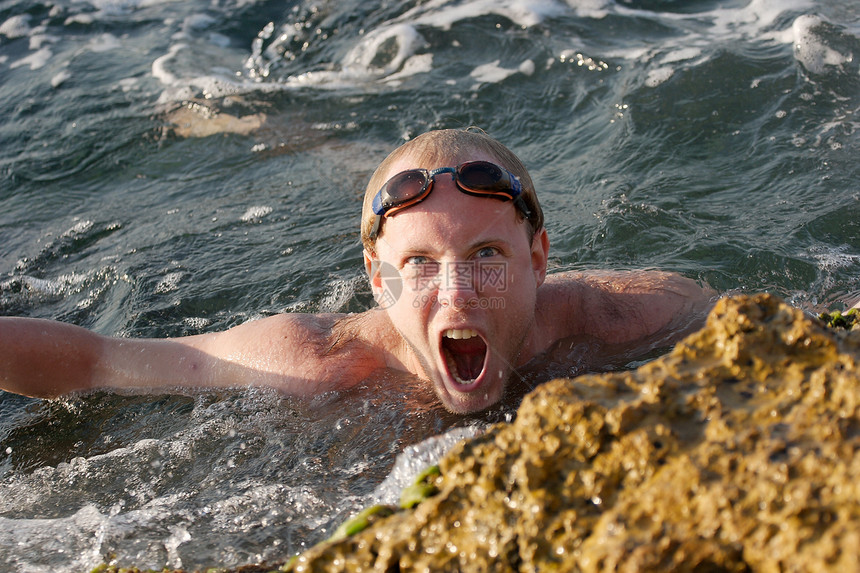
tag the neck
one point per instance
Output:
(378, 331)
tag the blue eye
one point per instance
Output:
(487, 252)
(417, 260)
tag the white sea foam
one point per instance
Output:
(443, 14)
(16, 26)
(255, 213)
(127, 84)
(339, 293)
(160, 66)
(36, 60)
(591, 8)
(415, 459)
(196, 322)
(39, 40)
(371, 60)
(494, 73)
(84, 19)
(104, 43)
(182, 58)
(197, 22)
(758, 20)
(60, 78)
(34, 284)
(392, 51)
(417, 64)
(387, 53)
(363, 57)
(657, 76)
(113, 8)
(527, 68)
(168, 283)
(62, 285)
(491, 72)
(681, 55)
(62, 544)
(810, 47)
(832, 258)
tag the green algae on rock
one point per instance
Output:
(836, 319)
(737, 451)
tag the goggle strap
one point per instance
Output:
(374, 231)
(520, 204)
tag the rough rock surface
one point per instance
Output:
(738, 451)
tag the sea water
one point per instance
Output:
(176, 167)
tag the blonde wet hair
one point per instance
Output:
(437, 146)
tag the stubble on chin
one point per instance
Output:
(499, 385)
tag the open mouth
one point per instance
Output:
(465, 354)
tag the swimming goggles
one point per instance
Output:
(478, 178)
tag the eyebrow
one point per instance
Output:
(491, 242)
(477, 245)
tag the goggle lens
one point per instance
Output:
(483, 176)
(405, 188)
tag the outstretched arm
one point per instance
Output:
(44, 358)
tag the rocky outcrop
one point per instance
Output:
(737, 451)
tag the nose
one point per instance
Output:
(457, 288)
(459, 276)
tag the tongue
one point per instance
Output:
(467, 355)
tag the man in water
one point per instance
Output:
(456, 252)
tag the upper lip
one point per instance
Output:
(460, 333)
(461, 327)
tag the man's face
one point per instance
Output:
(466, 279)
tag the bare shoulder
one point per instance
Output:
(622, 306)
(298, 353)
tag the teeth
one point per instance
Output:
(458, 334)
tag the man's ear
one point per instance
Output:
(371, 265)
(385, 280)
(540, 254)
